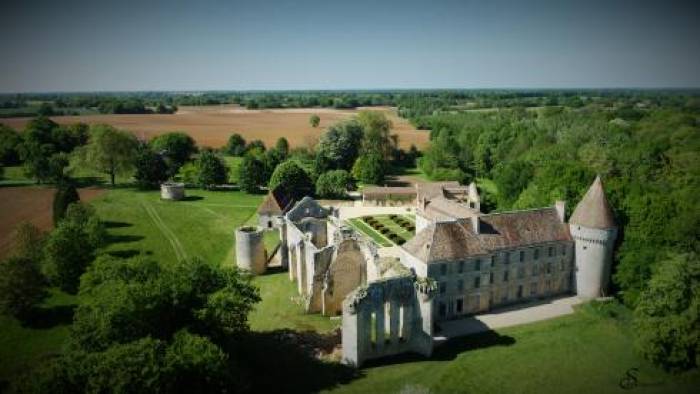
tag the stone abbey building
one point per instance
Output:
(460, 262)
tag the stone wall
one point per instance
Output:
(172, 191)
(388, 317)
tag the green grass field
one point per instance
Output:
(580, 353)
(139, 222)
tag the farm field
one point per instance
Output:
(587, 352)
(212, 125)
(31, 204)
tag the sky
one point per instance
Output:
(76, 45)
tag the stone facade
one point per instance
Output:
(387, 317)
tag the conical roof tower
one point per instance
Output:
(594, 210)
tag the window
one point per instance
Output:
(507, 257)
(442, 309)
(477, 265)
(563, 265)
(460, 285)
(535, 270)
(505, 276)
(522, 255)
(549, 268)
(269, 224)
(520, 291)
(443, 287)
(536, 254)
(491, 278)
(563, 250)
(477, 282)
(460, 305)
(443, 269)
(521, 272)
(461, 267)
(550, 251)
(533, 288)
(477, 301)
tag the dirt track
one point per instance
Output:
(32, 204)
(212, 125)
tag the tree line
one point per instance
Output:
(648, 159)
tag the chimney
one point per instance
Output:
(560, 206)
(475, 224)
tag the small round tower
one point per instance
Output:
(594, 231)
(172, 191)
(250, 249)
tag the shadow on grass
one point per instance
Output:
(42, 317)
(283, 361)
(122, 238)
(448, 350)
(116, 224)
(274, 270)
(128, 253)
(193, 198)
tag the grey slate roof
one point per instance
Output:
(594, 211)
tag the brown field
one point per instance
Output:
(212, 125)
(31, 204)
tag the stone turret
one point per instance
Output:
(250, 250)
(593, 228)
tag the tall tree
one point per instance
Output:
(177, 148)
(377, 133)
(252, 173)
(338, 147)
(292, 179)
(66, 194)
(109, 151)
(21, 287)
(212, 170)
(151, 169)
(235, 146)
(667, 322)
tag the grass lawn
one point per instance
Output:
(277, 310)
(362, 227)
(379, 238)
(580, 353)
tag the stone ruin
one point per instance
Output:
(172, 191)
(388, 317)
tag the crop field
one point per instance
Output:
(30, 204)
(212, 125)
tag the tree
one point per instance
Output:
(292, 179)
(377, 129)
(72, 246)
(235, 146)
(666, 320)
(10, 142)
(21, 287)
(66, 194)
(369, 168)
(176, 148)
(282, 146)
(151, 169)
(314, 120)
(333, 184)
(338, 147)
(109, 151)
(212, 170)
(28, 242)
(256, 144)
(251, 173)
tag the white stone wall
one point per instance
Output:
(538, 275)
(172, 191)
(593, 259)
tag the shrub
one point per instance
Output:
(292, 179)
(212, 170)
(333, 184)
(65, 195)
(21, 287)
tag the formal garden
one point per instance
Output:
(386, 230)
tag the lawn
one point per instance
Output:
(381, 239)
(139, 222)
(586, 352)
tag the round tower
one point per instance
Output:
(594, 231)
(172, 191)
(250, 249)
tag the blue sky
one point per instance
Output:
(220, 45)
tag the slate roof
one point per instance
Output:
(594, 210)
(456, 239)
(276, 203)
